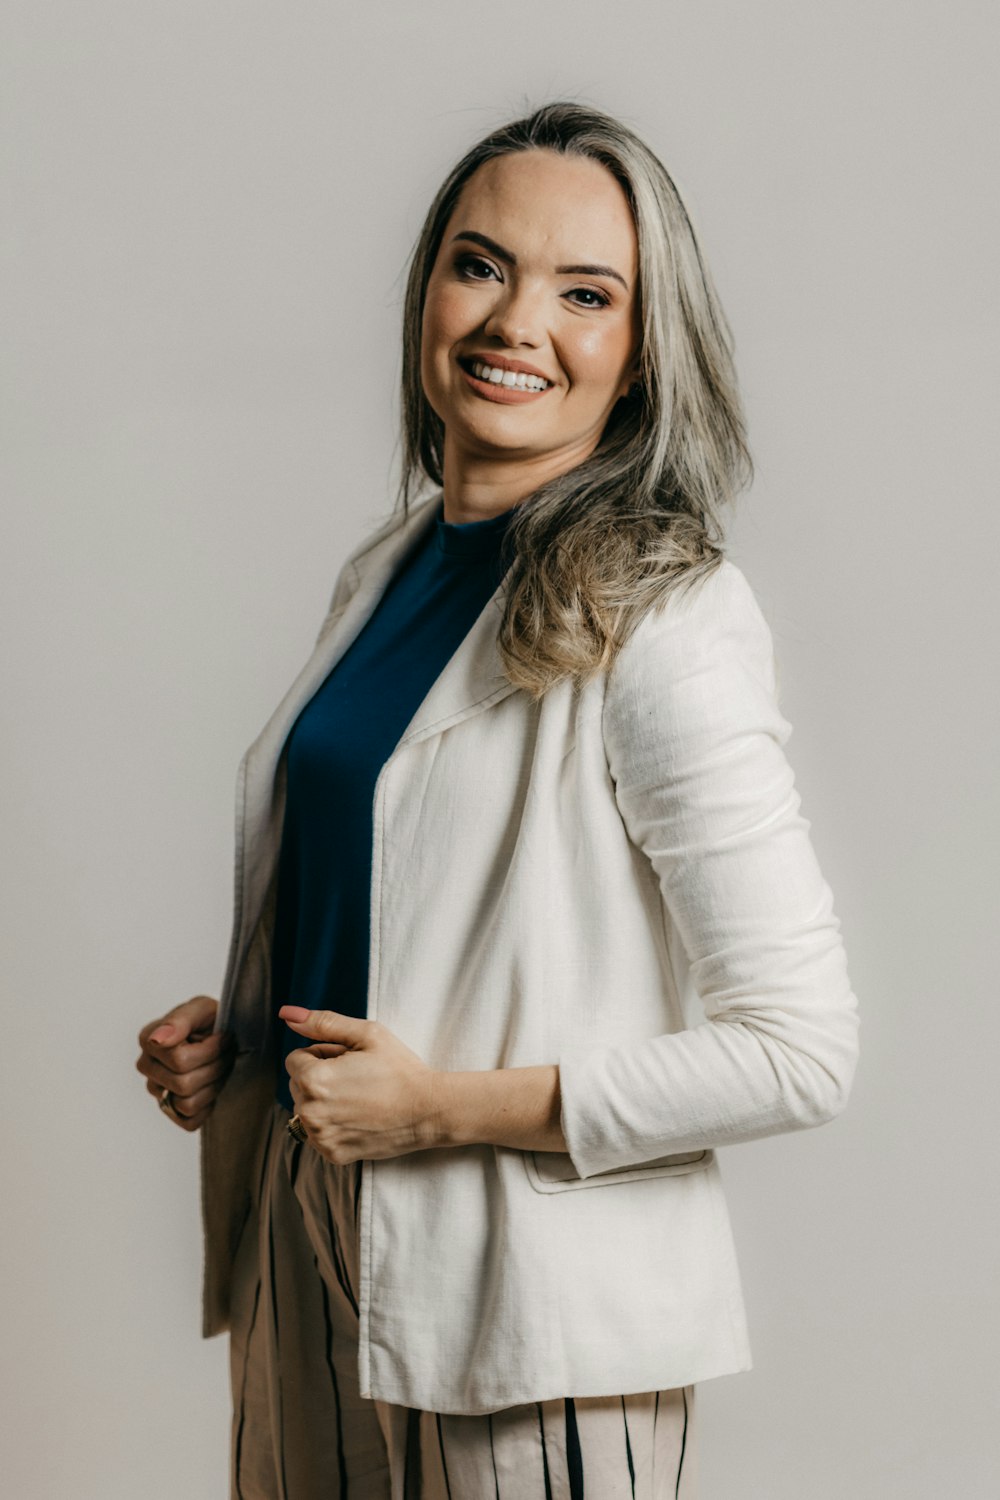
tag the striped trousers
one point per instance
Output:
(301, 1431)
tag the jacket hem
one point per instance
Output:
(400, 1393)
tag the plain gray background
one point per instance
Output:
(208, 210)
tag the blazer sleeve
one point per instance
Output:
(695, 747)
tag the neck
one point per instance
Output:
(477, 487)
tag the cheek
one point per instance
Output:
(446, 318)
(438, 335)
(596, 357)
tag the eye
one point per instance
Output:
(590, 291)
(472, 266)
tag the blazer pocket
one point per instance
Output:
(553, 1171)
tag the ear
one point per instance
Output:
(631, 388)
(632, 379)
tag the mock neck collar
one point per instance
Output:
(474, 539)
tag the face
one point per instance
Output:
(531, 324)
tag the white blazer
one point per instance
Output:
(617, 879)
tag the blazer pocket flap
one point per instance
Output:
(553, 1171)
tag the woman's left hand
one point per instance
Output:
(359, 1091)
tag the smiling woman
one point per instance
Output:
(560, 242)
(549, 293)
(525, 903)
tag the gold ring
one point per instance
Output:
(297, 1130)
(167, 1103)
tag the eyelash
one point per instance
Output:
(465, 262)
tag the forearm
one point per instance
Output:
(517, 1107)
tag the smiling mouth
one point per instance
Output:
(503, 385)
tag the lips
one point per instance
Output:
(513, 387)
(503, 395)
(499, 362)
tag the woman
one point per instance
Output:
(527, 922)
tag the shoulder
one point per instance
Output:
(698, 670)
(395, 522)
(382, 531)
(715, 615)
(352, 568)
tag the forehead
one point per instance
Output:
(551, 206)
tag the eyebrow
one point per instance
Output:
(511, 258)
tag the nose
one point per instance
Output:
(517, 317)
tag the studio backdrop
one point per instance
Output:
(207, 215)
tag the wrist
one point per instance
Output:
(514, 1107)
(442, 1118)
(446, 1113)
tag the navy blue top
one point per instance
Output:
(335, 751)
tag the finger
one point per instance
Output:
(196, 1014)
(184, 1084)
(328, 1025)
(181, 1114)
(196, 1122)
(190, 1106)
(193, 1016)
(301, 1059)
(193, 1054)
(298, 1063)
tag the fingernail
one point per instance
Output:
(294, 1013)
(161, 1034)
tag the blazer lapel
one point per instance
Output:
(472, 680)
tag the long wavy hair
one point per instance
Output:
(591, 550)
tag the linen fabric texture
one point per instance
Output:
(619, 879)
(302, 1431)
(334, 752)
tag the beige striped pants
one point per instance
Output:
(301, 1431)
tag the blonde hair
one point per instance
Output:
(596, 547)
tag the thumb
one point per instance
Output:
(325, 1025)
(197, 1014)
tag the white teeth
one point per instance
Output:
(512, 379)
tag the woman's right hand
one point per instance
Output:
(182, 1053)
